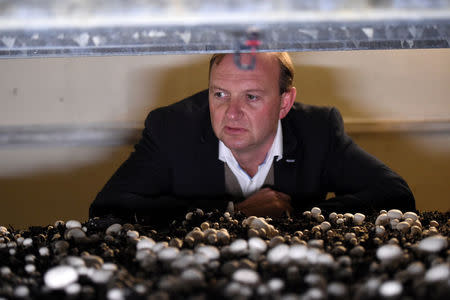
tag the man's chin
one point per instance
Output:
(233, 144)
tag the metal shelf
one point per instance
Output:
(52, 28)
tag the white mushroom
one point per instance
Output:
(75, 233)
(395, 214)
(298, 253)
(74, 261)
(145, 243)
(382, 219)
(28, 242)
(411, 215)
(379, 230)
(275, 285)
(315, 211)
(210, 252)
(257, 245)
(132, 234)
(73, 289)
(5, 271)
(239, 246)
(246, 276)
(438, 273)
(3, 231)
(324, 226)
(333, 216)
(349, 216)
(389, 253)
(223, 236)
(21, 291)
(71, 224)
(434, 223)
(349, 235)
(60, 276)
(391, 289)
(189, 216)
(403, 226)
(192, 275)
(110, 266)
(278, 254)
(168, 254)
(29, 268)
(337, 289)
(433, 244)
(415, 230)
(113, 229)
(115, 294)
(340, 221)
(43, 251)
(358, 219)
(393, 223)
(159, 246)
(100, 276)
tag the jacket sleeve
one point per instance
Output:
(358, 179)
(141, 189)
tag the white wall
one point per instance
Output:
(41, 184)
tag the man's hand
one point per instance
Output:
(266, 202)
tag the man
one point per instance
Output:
(245, 141)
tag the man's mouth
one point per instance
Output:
(234, 130)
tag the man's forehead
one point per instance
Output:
(263, 61)
(241, 80)
(265, 68)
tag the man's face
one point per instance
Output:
(245, 105)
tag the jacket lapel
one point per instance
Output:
(211, 168)
(286, 169)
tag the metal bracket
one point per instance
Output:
(252, 43)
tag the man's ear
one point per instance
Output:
(287, 100)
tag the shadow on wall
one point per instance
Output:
(421, 158)
(41, 198)
(318, 86)
(170, 86)
(45, 196)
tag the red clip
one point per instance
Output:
(253, 43)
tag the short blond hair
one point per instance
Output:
(286, 78)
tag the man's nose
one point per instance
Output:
(234, 110)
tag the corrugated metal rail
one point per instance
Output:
(52, 28)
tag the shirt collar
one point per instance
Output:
(275, 150)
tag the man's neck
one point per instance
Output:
(249, 161)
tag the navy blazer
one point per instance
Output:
(175, 167)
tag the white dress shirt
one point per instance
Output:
(248, 184)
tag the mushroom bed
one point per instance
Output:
(310, 255)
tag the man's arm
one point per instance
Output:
(359, 180)
(141, 189)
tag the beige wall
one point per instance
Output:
(41, 184)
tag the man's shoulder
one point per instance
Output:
(308, 112)
(312, 121)
(183, 118)
(197, 103)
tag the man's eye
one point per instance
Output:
(219, 95)
(252, 97)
